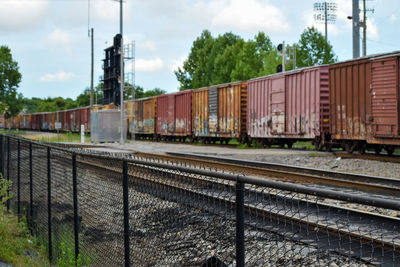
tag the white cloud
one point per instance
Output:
(149, 65)
(59, 76)
(22, 14)
(250, 15)
(372, 30)
(109, 10)
(175, 64)
(59, 38)
(393, 18)
(148, 46)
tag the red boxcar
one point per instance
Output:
(174, 115)
(364, 97)
(290, 106)
(85, 118)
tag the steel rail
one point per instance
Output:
(388, 186)
(368, 156)
(177, 182)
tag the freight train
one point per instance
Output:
(352, 104)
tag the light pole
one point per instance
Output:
(325, 13)
(122, 139)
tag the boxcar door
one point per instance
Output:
(171, 114)
(277, 105)
(385, 96)
(213, 111)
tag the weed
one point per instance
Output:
(67, 257)
(315, 154)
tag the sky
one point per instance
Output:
(49, 38)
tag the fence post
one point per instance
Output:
(239, 224)
(49, 204)
(19, 180)
(8, 170)
(126, 211)
(30, 187)
(75, 199)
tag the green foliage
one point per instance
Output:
(10, 77)
(4, 186)
(17, 247)
(83, 100)
(229, 58)
(313, 49)
(67, 257)
(223, 59)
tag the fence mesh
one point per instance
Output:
(100, 210)
(182, 214)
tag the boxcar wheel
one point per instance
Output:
(390, 150)
(319, 146)
(349, 147)
(361, 148)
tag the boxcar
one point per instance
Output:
(144, 125)
(174, 115)
(364, 97)
(286, 107)
(26, 122)
(219, 112)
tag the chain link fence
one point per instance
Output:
(133, 211)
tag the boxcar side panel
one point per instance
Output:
(385, 101)
(200, 112)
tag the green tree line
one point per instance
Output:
(229, 57)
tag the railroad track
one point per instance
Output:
(368, 156)
(372, 184)
(284, 213)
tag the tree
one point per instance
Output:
(10, 77)
(224, 59)
(313, 49)
(83, 100)
(154, 92)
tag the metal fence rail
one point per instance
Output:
(115, 211)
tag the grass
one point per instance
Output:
(316, 154)
(17, 246)
(61, 137)
(304, 145)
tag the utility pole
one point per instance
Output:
(122, 140)
(91, 72)
(356, 29)
(364, 30)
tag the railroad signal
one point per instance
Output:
(112, 72)
(281, 48)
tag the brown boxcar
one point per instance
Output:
(290, 106)
(174, 115)
(85, 118)
(219, 112)
(364, 97)
(44, 121)
(145, 117)
(35, 121)
(26, 123)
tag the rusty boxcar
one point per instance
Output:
(219, 112)
(286, 107)
(144, 125)
(364, 95)
(174, 115)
